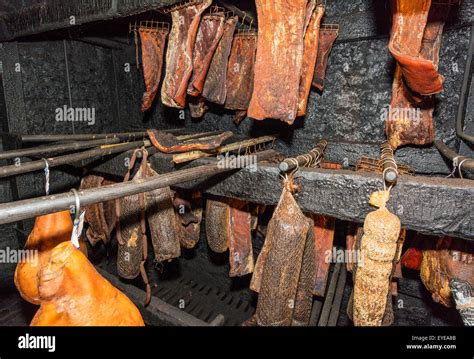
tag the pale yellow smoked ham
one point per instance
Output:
(73, 293)
(48, 231)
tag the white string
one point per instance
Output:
(455, 166)
(46, 175)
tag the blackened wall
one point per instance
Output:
(358, 88)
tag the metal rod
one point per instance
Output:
(98, 152)
(62, 147)
(467, 163)
(87, 137)
(324, 316)
(336, 304)
(390, 168)
(303, 160)
(28, 208)
(244, 16)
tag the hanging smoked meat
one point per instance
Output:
(208, 37)
(240, 71)
(190, 215)
(309, 59)
(215, 86)
(218, 225)
(240, 239)
(324, 228)
(48, 231)
(463, 294)
(279, 59)
(100, 216)
(153, 47)
(72, 293)
(168, 143)
(131, 230)
(418, 56)
(284, 272)
(197, 106)
(327, 35)
(179, 56)
(165, 229)
(410, 119)
(378, 246)
(448, 259)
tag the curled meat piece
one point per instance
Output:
(327, 36)
(168, 143)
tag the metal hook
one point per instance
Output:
(77, 209)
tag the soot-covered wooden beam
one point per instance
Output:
(432, 205)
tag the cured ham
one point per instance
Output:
(179, 56)
(153, 46)
(167, 143)
(100, 216)
(410, 119)
(378, 246)
(279, 59)
(444, 261)
(48, 231)
(311, 44)
(284, 272)
(327, 35)
(72, 293)
(240, 239)
(208, 37)
(215, 86)
(240, 71)
(324, 228)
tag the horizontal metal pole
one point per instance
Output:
(28, 208)
(14, 170)
(82, 137)
(61, 147)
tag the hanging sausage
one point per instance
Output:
(189, 211)
(153, 46)
(284, 272)
(179, 56)
(378, 246)
(73, 293)
(165, 228)
(279, 59)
